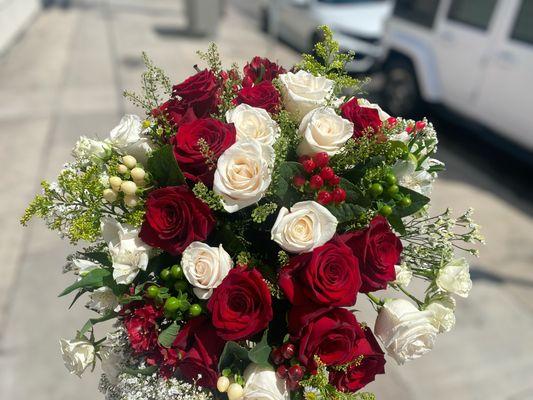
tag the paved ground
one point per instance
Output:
(64, 78)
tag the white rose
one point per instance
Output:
(243, 174)
(263, 384)
(322, 130)
(443, 315)
(302, 92)
(308, 225)
(77, 355)
(128, 137)
(205, 267)
(103, 299)
(403, 275)
(406, 332)
(86, 148)
(454, 277)
(128, 252)
(253, 123)
(383, 116)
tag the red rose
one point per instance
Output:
(201, 92)
(175, 218)
(192, 160)
(261, 69)
(363, 118)
(328, 276)
(329, 333)
(263, 95)
(241, 306)
(175, 111)
(378, 250)
(141, 327)
(370, 362)
(201, 349)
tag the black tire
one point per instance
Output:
(401, 94)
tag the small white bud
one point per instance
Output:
(115, 183)
(131, 200)
(129, 188)
(122, 169)
(235, 391)
(110, 195)
(138, 174)
(129, 161)
(223, 384)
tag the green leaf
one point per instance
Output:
(233, 355)
(417, 202)
(93, 321)
(94, 279)
(78, 295)
(168, 335)
(140, 371)
(397, 223)
(283, 188)
(261, 352)
(164, 168)
(345, 212)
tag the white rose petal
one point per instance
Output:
(302, 92)
(308, 225)
(128, 137)
(263, 384)
(403, 275)
(383, 116)
(406, 332)
(443, 316)
(243, 174)
(205, 267)
(83, 267)
(77, 355)
(253, 123)
(322, 130)
(454, 278)
(86, 148)
(103, 299)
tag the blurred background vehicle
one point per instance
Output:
(358, 25)
(474, 58)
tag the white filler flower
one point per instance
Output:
(243, 174)
(263, 384)
(302, 92)
(308, 225)
(77, 355)
(454, 277)
(253, 123)
(322, 130)
(103, 299)
(406, 332)
(205, 267)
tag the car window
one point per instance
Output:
(523, 28)
(421, 12)
(476, 13)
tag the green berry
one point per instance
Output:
(392, 190)
(181, 286)
(385, 210)
(405, 202)
(176, 272)
(390, 179)
(195, 310)
(376, 189)
(165, 274)
(172, 304)
(152, 291)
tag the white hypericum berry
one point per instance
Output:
(128, 187)
(122, 169)
(138, 174)
(223, 384)
(235, 391)
(129, 161)
(110, 195)
(131, 200)
(115, 183)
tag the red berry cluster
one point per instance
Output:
(291, 372)
(321, 179)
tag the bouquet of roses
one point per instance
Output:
(231, 232)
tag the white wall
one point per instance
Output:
(15, 15)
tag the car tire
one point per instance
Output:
(401, 95)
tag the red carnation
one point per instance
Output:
(141, 326)
(175, 218)
(261, 69)
(328, 276)
(263, 95)
(216, 136)
(241, 306)
(378, 250)
(201, 92)
(362, 118)
(370, 362)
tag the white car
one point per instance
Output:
(358, 25)
(474, 57)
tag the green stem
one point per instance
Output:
(376, 300)
(418, 302)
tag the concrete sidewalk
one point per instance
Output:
(65, 78)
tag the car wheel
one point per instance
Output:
(401, 96)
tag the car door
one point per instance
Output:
(506, 94)
(463, 38)
(295, 16)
